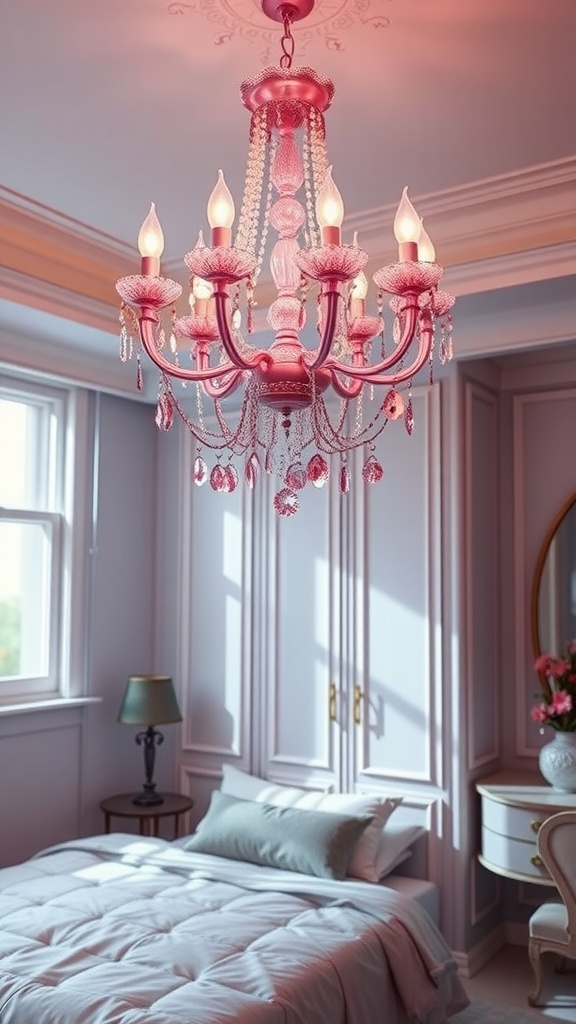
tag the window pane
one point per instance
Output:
(27, 453)
(13, 417)
(24, 599)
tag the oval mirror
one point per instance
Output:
(553, 600)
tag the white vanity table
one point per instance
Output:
(514, 805)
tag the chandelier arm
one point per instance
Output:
(343, 390)
(222, 391)
(369, 373)
(259, 357)
(424, 349)
(147, 323)
(332, 294)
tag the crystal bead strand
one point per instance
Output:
(317, 148)
(312, 237)
(266, 217)
(250, 209)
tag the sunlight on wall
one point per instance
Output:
(321, 645)
(232, 552)
(400, 674)
(232, 549)
(321, 602)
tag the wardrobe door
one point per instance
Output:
(395, 690)
(300, 670)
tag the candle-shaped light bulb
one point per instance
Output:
(407, 223)
(200, 244)
(151, 244)
(221, 212)
(358, 293)
(329, 210)
(201, 291)
(407, 227)
(426, 251)
(359, 288)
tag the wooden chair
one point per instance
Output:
(553, 925)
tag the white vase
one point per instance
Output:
(557, 761)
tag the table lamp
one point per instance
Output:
(150, 701)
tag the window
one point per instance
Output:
(36, 539)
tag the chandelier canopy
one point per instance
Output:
(283, 422)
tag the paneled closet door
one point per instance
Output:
(299, 662)
(395, 684)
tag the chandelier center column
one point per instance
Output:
(286, 315)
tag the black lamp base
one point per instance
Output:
(150, 738)
(148, 797)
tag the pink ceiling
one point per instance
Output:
(107, 105)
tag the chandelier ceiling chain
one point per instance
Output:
(287, 40)
(284, 422)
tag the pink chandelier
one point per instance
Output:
(283, 423)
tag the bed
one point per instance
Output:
(120, 929)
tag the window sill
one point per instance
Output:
(46, 704)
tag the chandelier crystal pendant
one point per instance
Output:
(283, 422)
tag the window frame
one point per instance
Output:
(65, 466)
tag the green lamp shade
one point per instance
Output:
(149, 700)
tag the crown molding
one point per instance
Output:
(19, 287)
(495, 233)
(514, 269)
(515, 330)
(19, 213)
(44, 357)
(53, 249)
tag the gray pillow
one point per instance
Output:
(312, 842)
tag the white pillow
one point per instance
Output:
(362, 863)
(394, 846)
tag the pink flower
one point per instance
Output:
(557, 706)
(539, 713)
(559, 668)
(561, 703)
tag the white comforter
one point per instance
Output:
(121, 930)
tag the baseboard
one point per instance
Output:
(477, 956)
(507, 934)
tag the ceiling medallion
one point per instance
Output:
(305, 395)
(245, 19)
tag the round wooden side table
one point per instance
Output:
(174, 806)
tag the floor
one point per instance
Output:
(507, 979)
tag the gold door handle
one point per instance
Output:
(358, 704)
(535, 826)
(536, 860)
(332, 702)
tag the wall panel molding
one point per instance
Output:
(380, 512)
(215, 543)
(481, 572)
